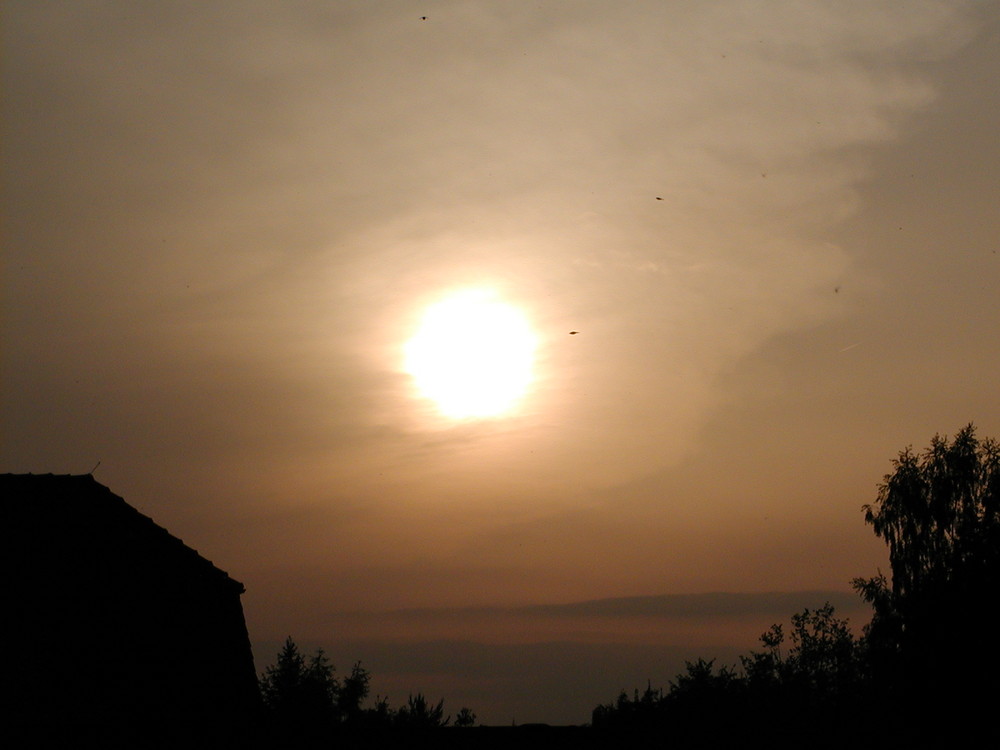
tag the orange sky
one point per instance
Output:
(222, 221)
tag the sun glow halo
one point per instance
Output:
(472, 355)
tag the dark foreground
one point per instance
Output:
(774, 736)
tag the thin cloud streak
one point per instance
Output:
(712, 604)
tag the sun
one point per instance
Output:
(472, 355)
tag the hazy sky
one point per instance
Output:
(773, 224)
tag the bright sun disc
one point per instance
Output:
(472, 355)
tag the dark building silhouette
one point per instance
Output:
(116, 630)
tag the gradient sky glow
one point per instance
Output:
(774, 225)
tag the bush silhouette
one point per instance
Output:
(813, 678)
(419, 714)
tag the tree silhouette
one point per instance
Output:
(824, 659)
(380, 716)
(308, 707)
(705, 705)
(466, 717)
(352, 693)
(643, 712)
(419, 714)
(300, 695)
(939, 514)
(811, 680)
(925, 670)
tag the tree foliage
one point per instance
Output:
(307, 705)
(805, 677)
(352, 694)
(300, 694)
(418, 713)
(939, 514)
(643, 711)
(295, 685)
(466, 717)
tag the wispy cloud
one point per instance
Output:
(700, 605)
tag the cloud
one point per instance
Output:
(698, 605)
(310, 204)
(224, 220)
(703, 618)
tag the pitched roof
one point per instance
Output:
(64, 513)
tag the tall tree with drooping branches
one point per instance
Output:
(939, 514)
